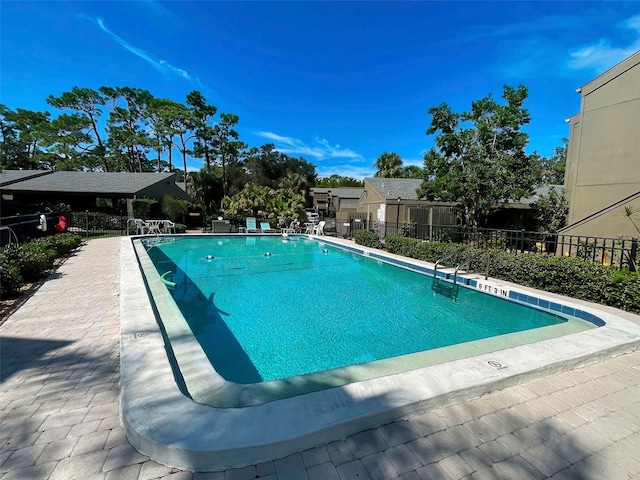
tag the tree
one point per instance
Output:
(164, 119)
(284, 203)
(226, 146)
(69, 143)
(551, 211)
(478, 160)
(251, 201)
(128, 126)
(389, 165)
(10, 151)
(552, 169)
(267, 166)
(336, 181)
(204, 134)
(24, 134)
(87, 102)
(412, 171)
(205, 188)
(255, 200)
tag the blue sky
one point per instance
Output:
(336, 83)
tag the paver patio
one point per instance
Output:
(59, 395)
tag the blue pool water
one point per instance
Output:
(264, 308)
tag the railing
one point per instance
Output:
(618, 252)
(97, 224)
(451, 288)
(23, 228)
(467, 262)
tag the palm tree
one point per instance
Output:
(389, 165)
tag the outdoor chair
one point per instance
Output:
(319, 228)
(251, 224)
(141, 226)
(266, 228)
(168, 226)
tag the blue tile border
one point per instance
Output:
(529, 300)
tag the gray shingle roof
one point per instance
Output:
(538, 192)
(7, 177)
(342, 192)
(392, 188)
(90, 182)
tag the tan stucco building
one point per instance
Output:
(396, 200)
(603, 160)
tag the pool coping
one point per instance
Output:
(160, 421)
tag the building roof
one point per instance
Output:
(406, 188)
(393, 188)
(610, 74)
(107, 183)
(342, 192)
(7, 177)
(537, 193)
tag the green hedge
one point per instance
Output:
(31, 261)
(569, 276)
(367, 238)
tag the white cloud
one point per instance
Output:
(162, 66)
(353, 171)
(321, 150)
(601, 56)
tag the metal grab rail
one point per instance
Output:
(442, 259)
(435, 285)
(466, 262)
(454, 285)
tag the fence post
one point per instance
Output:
(633, 255)
(522, 241)
(86, 223)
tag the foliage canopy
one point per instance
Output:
(479, 159)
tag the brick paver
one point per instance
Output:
(59, 394)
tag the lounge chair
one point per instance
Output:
(251, 224)
(319, 228)
(266, 228)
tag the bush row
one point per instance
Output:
(569, 276)
(31, 261)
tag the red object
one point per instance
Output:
(61, 226)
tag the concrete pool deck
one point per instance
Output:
(60, 392)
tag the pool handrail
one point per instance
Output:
(442, 259)
(466, 262)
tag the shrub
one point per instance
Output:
(174, 208)
(142, 207)
(569, 276)
(367, 238)
(32, 261)
(10, 278)
(63, 243)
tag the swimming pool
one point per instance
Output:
(175, 408)
(268, 308)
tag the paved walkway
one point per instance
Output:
(59, 397)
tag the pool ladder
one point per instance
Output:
(450, 288)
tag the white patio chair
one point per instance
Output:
(142, 227)
(319, 228)
(168, 226)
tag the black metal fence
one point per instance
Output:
(618, 252)
(23, 228)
